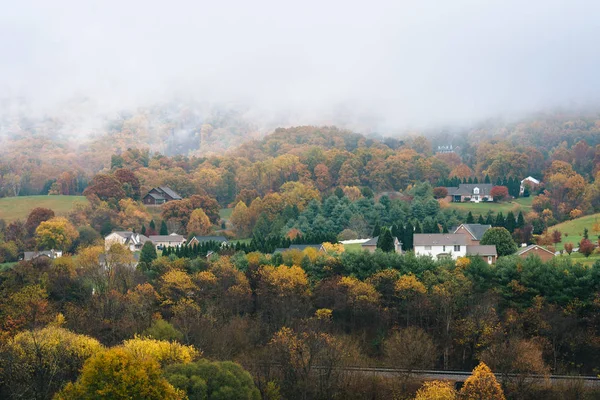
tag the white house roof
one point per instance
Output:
(531, 179)
(166, 238)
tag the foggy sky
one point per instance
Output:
(393, 64)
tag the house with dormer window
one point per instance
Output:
(474, 192)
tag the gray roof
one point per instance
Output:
(523, 250)
(439, 239)
(156, 196)
(482, 250)
(30, 255)
(204, 239)
(477, 230)
(466, 189)
(302, 247)
(170, 192)
(166, 238)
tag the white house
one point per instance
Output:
(164, 241)
(441, 245)
(529, 180)
(131, 240)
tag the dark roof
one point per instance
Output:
(466, 189)
(524, 250)
(281, 250)
(155, 196)
(30, 255)
(170, 192)
(302, 247)
(439, 239)
(482, 250)
(204, 239)
(477, 230)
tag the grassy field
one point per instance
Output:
(353, 247)
(522, 204)
(13, 208)
(572, 231)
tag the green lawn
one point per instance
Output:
(354, 247)
(13, 208)
(572, 231)
(521, 204)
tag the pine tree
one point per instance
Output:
(407, 243)
(500, 222)
(445, 228)
(475, 180)
(163, 228)
(511, 222)
(487, 179)
(470, 218)
(499, 181)
(143, 231)
(386, 241)
(480, 220)
(152, 225)
(376, 230)
(148, 253)
(520, 220)
(418, 228)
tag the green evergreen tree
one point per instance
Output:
(480, 220)
(407, 243)
(487, 179)
(511, 222)
(143, 231)
(520, 220)
(489, 220)
(500, 222)
(386, 241)
(148, 253)
(152, 225)
(470, 218)
(586, 233)
(418, 228)
(163, 228)
(376, 230)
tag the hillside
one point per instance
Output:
(13, 208)
(572, 231)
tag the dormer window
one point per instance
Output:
(476, 190)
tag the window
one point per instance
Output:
(456, 248)
(427, 247)
(476, 191)
(444, 248)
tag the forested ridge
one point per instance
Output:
(242, 320)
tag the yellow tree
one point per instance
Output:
(409, 288)
(282, 292)
(482, 385)
(436, 390)
(118, 374)
(56, 233)
(241, 219)
(199, 222)
(42, 360)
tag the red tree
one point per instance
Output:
(499, 193)
(586, 247)
(36, 217)
(131, 184)
(440, 192)
(105, 187)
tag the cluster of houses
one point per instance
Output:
(478, 192)
(464, 240)
(135, 241)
